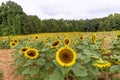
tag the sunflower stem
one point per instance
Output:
(67, 77)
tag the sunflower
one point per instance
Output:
(66, 56)
(94, 38)
(102, 63)
(16, 41)
(13, 44)
(36, 37)
(23, 50)
(76, 42)
(117, 62)
(31, 53)
(106, 52)
(67, 42)
(58, 37)
(117, 34)
(55, 44)
(81, 37)
(100, 48)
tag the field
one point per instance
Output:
(62, 56)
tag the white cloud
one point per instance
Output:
(69, 9)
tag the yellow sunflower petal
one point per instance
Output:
(66, 56)
(31, 53)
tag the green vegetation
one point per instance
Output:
(67, 56)
(13, 21)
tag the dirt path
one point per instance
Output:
(6, 66)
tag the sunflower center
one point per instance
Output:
(67, 41)
(24, 49)
(31, 53)
(66, 56)
(55, 43)
(81, 37)
(36, 37)
(15, 41)
(13, 44)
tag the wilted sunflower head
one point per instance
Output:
(101, 63)
(67, 42)
(13, 44)
(66, 56)
(55, 43)
(23, 50)
(31, 53)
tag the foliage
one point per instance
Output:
(4, 43)
(13, 21)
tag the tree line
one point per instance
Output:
(14, 21)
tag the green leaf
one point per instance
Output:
(43, 73)
(115, 68)
(46, 77)
(65, 70)
(34, 70)
(83, 78)
(79, 56)
(49, 65)
(57, 75)
(77, 65)
(80, 72)
(19, 71)
(44, 49)
(26, 71)
(94, 71)
(87, 52)
(40, 61)
(19, 62)
(116, 51)
(31, 70)
(28, 62)
(86, 59)
(56, 63)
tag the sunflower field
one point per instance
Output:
(66, 56)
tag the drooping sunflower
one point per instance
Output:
(101, 48)
(13, 44)
(106, 52)
(94, 38)
(22, 50)
(31, 53)
(66, 56)
(102, 63)
(55, 44)
(67, 42)
(116, 61)
(81, 37)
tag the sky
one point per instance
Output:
(69, 9)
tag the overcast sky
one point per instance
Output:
(69, 9)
